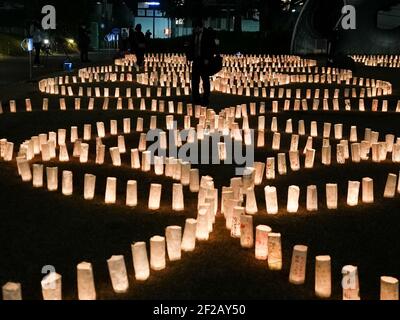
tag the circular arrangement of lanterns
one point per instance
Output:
(168, 75)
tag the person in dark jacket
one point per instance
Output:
(139, 44)
(83, 43)
(202, 48)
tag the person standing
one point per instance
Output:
(201, 51)
(83, 43)
(140, 45)
(37, 39)
(148, 35)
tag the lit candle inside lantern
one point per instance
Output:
(298, 266)
(111, 190)
(389, 289)
(202, 232)
(246, 231)
(177, 197)
(115, 156)
(52, 178)
(89, 186)
(332, 196)
(51, 287)
(236, 221)
(293, 199)
(140, 261)
(118, 274)
(312, 198)
(390, 188)
(271, 200)
(350, 283)
(353, 192)
(67, 183)
(367, 190)
(154, 196)
(157, 253)
(173, 236)
(86, 288)
(261, 250)
(274, 251)
(37, 175)
(12, 291)
(189, 235)
(131, 193)
(323, 278)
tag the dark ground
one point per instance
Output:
(39, 228)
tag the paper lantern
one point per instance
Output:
(236, 221)
(274, 251)
(293, 199)
(270, 169)
(294, 160)
(367, 190)
(271, 200)
(246, 231)
(332, 196)
(157, 253)
(86, 288)
(12, 291)
(173, 236)
(251, 202)
(202, 232)
(140, 261)
(113, 127)
(111, 190)
(189, 235)
(25, 170)
(353, 193)
(135, 160)
(350, 283)
(127, 125)
(101, 132)
(131, 193)
(67, 183)
(323, 278)
(185, 173)
(297, 273)
(51, 287)
(390, 188)
(389, 289)
(89, 186)
(146, 161)
(154, 196)
(63, 155)
(87, 132)
(261, 247)
(177, 197)
(115, 156)
(118, 274)
(194, 180)
(37, 175)
(52, 178)
(312, 198)
(100, 154)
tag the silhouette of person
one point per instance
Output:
(37, 38)
(148, 35)
(139, 45)
(201, 51)
(83, 43)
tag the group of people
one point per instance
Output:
(135, 41)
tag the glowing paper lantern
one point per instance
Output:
(131, 193)
(67, 183)
(202, 232)
(236, 221)
(189, 235)
(389, 288)
(293, 199)
(157, 253)
(37, 175)
(274, 251)
(86, 288)
(323, 278)
(52, 178)
(367, 190)
(312, 198)
(111, 190)
(251, 202)
(89, 186)
(25, 170)
(298, 266)
(173, 236)
(246, 231)
(115, 156)
(51, 287)
(140, 261)
(353, 192)
(271, 200)
(177, 197)
(118, 274)
(146, 161)
(332, 196)
(390, 188)
(261, 249)
(12, 291)
(350, 283)
(154, 196)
